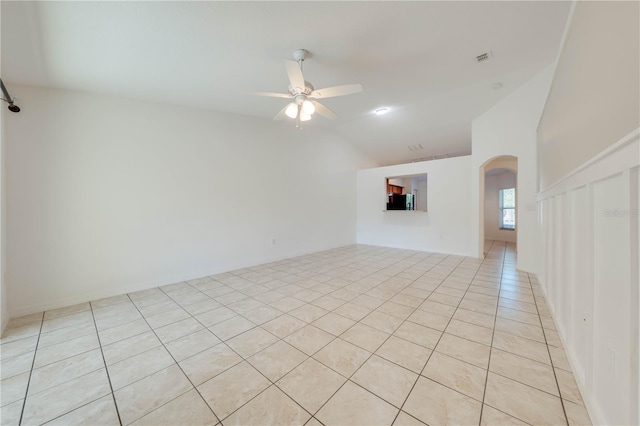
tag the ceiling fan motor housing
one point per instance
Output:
(308, 88)
(300, 54)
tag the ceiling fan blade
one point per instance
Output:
(324, 111)
(295, 75)
(272, 94)
(331, 92)
(282, 114)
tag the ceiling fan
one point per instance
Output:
(304, 96)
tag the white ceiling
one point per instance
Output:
(417, 58)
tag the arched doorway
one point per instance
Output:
(498, 201)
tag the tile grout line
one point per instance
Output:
(253, 298)
(311, 357)
(104, 361)
(348, 379)
(61, 360)
(272, 383)
(493, 333)
(234, 365)
(555, 376)
(388, 337)
(477, 270)
(65, 358)
(518, 381)
(282, 339)
(303, 271)
(33, 362)
(224, 341)
(440, 338)
(176, 363)
(242, 357)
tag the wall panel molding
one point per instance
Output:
(589, 228)
(622, 155)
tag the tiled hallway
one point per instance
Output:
(356, 335)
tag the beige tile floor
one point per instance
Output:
(356, 335)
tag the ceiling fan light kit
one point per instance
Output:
(304, 117)
(304, 97)
(308, 108)
(292, 110)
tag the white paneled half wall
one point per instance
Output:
(589, 230)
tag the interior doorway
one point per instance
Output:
(498, 202)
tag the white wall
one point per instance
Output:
(423, 195)
(445, 228)
(492, 185)
(108, 195)
(509, 128)
(589, 159)
(593, 101)
(4, 306)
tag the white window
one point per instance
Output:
(508, 208)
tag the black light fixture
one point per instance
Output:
(7, 98)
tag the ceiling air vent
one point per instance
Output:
(416, 147)
(484, 57)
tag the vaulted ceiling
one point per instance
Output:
(416, 58)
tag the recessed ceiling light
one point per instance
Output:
(382, 111)
(497, 86)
